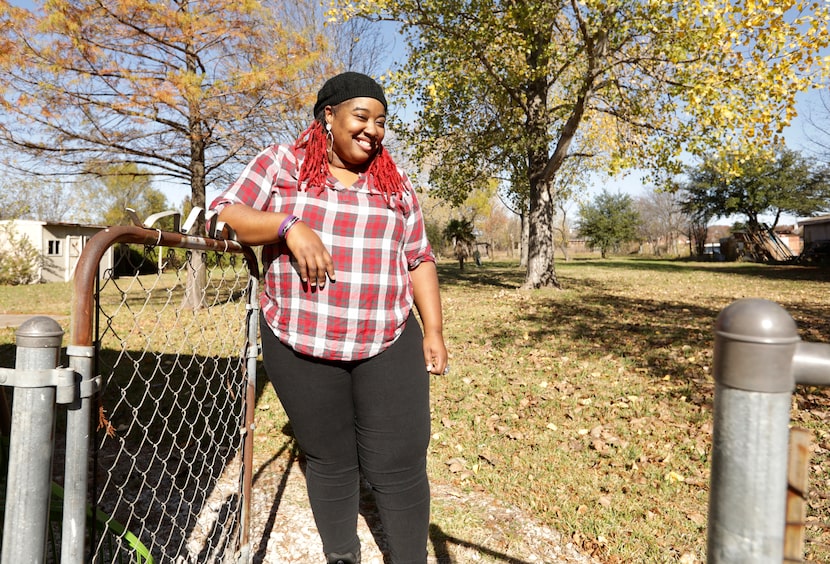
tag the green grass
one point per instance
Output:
(587, 407)
(51, 299)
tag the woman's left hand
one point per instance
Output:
(435, 354)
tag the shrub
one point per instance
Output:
(19, 259)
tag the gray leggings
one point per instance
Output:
(370, 417)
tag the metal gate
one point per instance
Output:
(152, 461)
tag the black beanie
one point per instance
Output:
(346, 86)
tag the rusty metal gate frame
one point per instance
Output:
(81, 352)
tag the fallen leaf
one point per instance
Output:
(697, 518)
(456, 465)
(488, 458)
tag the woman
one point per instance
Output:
(346, 257)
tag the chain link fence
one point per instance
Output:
(154, 457)
(168, 462)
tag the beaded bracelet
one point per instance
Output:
(287, 224)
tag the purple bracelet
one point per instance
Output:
(287, 224)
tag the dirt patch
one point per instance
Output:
(283, 528)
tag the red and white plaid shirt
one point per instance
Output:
(374, 245)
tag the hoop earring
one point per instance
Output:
(329, 142)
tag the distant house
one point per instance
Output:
(790, 236)
(60, 245)
(815, 230)
(780, 244)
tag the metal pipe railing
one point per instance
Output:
(78, 433)
(82, 347)
(251, 355)
(37, 383)
(40, 386)
(758, 360)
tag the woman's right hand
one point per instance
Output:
(313, 259)
(258, 227)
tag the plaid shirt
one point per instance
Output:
(374, 245)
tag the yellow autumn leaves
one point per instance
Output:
(706, 74)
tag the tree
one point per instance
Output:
(609, 221)
(459, 230)
(462, 234)
(436, 214)
(181, 87)
(479, 204)
(661, 220)
(568, 184)
(540, 82)
(499, 229)
(38, 199)
(785, 184)
(19, 259)
(117, 188)
(562, 229)
(817, 125)
(517, 201)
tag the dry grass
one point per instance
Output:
(587, 407)
(590, 406)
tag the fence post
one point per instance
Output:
(28, 487)
(755, 342)
(251, 355)
(78, 432)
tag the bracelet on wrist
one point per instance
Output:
(287, 224)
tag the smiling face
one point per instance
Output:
(357, 127)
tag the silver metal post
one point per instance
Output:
(28, 489)
(78, 431)
(250, 403)
(755, 342)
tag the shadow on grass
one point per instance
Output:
(660, 337)
(494, 274)
(509, 275)
(441, 542)
(753, 270)
(657, 337)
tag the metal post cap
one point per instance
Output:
(757, 320)
(39, 332)
(755, 340)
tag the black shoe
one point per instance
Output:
(344, 558)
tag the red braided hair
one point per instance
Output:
(314, 170)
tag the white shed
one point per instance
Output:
(60, 245)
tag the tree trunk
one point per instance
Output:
(540, 267)
(194, 294)
(566, 250)
(523, 238)
(564, 233)
(543, 166)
